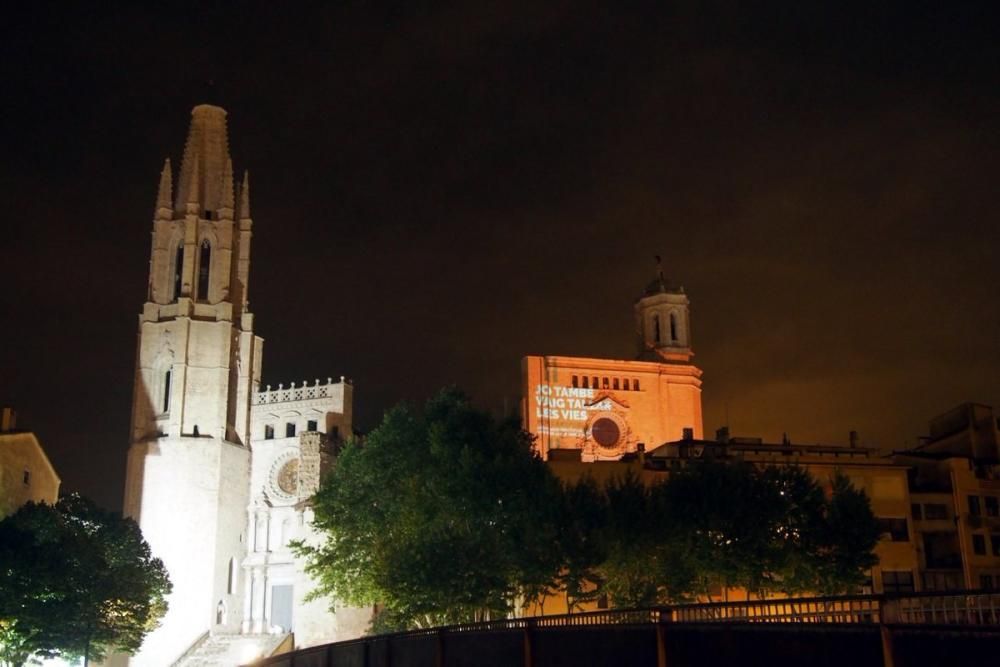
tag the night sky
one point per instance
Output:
(437, 192)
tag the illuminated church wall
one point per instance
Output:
(607, 407)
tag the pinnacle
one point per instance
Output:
(245, 197)
(165, 191)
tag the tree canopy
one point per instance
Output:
(444, 515)
(75, 581)
(441, 515)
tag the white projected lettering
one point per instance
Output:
(562, 411)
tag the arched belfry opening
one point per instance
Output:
(204, 269)
(178, 269)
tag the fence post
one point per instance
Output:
(529, 650)
(439, 662)
(661, 637)
(888, 613)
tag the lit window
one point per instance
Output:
(289, 430)
(269, 432)
(979, 545)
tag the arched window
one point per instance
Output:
(635, 384)
(178, 269)
(614, 383)
(204, 263)
(576, 381)
(673, 326)
(586, 382)
(166, 392)
(656, 328)
(625, 384)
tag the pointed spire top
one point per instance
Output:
(228, 201)
(206, 152)
(165, 191)
(245, 196)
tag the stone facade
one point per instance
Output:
(607, 408)
(26, 475)
(220, 472)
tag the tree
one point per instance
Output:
(582, 541)
(847, 539)
(75, 580)
(442, 515)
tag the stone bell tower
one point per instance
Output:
(197, 365)
(662, 322)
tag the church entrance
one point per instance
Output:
(281, 606)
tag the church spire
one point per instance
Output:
(206, 152)
(165, 192)
(245, 196)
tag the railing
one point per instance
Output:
(292, 393)
(975, 610)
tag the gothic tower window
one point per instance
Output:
(166, 392)
(673, 326)
(178, 269)
(656, 327)
(204, 263)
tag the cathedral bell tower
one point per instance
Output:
(662, 324)
(197, 365)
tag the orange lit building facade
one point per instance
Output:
(607, 408)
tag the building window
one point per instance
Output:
(979, 545)
(895, 528)
(204, 263)
(656, 327)
(897, 581)
(269, 432)
(614, 383)
(625, 384)
(166, 392)
(935, 511)
(576, 381)
(586, 382)
(607, 385)
(231, 587)
(27, 477)
(635, 384)
(974, 509)
(596, 384)
(311, 425)
(673, 327)
(995, 543)
(178, 269)
(290, 430)
(915, 511)
(991, 505)
(986, 582)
